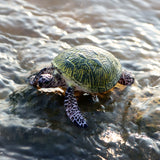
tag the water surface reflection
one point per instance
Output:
(123, 125)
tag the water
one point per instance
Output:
(125, 125)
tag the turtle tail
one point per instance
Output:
(72, 109)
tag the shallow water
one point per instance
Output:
(125, 125)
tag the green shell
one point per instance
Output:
(91, 68)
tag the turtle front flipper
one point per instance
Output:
(72, 109)
(126, 78)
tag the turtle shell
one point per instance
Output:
(91, 68)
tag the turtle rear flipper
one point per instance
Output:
(72, 109)
(126, 78)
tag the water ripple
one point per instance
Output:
(122, 125)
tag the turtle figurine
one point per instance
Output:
(86, 69)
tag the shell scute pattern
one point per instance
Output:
(90, 67)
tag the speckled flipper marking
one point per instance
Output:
(72, 109)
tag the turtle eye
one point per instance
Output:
(45, 80)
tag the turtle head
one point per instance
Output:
(43, 81)
(43, 78)
(47, 78)
(126, 78)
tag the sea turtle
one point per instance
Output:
(83, 68)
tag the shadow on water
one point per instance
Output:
(49, 129)
(28, 103)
